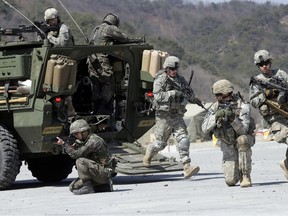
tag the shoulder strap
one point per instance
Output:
(95, 37)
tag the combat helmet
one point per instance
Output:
(79, 125)
(222, 87)
(111, 19)
(172, 62)
(51, 13)
(261, 56)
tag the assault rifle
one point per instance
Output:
(29, 29)
(274, 83)
(131, 40)
(228, 105)
(187, 92)
(70, 140)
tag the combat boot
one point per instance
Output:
(189, 170)
(86, 189)
(147, 157)
(284, 168)
(245, 181)
(108, 187)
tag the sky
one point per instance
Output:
(258, 1)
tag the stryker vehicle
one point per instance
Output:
(36, 81)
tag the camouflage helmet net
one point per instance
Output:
(79, 125)
(222, 87)
(262, 55)
(51, 13)
(171, 61)
(111, 19)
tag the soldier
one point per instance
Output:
(170, 108)
(93, 161)
(99, 65)
(271, 102)
(63, 37)
(229, 119)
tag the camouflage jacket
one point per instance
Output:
(94, 148)
(106, 34)
(164, 99)
(258, 98)
(242, 124)
(64, 37)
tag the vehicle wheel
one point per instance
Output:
(51, 169)
(9, 159)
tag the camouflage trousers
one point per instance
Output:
(102, 78)
(237, 158)
(89, 170)
(279, 130)
(168, 123)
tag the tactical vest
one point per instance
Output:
(96, 37)
(226, 131)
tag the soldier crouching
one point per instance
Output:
(93, 161)
(229, 119)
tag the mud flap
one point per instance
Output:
(130, 157)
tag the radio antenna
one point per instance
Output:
(85, 37)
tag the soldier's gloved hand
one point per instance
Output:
(175, 93)
(52, 33)
(271, 93)
(220, 114)
(230, 114)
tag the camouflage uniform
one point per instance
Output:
(99, 66)
(235, 139)
(170, 110)
(93, 161)
(258, 97)
(62, 38)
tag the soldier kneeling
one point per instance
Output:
(93, 161)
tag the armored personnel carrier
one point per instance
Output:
(37, 83)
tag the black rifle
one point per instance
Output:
(187, 92)
(228, 105)
(29, 29)
(131, 40)
(70, 140)
(274, 83)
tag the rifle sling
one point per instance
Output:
(274, 106)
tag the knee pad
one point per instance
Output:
(157, 146)
(243, 143)
(184, 144)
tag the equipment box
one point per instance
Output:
(15, 67)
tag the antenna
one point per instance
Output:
(25, 17)
(85, 37)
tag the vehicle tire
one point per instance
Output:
(9, 159)
(51, 169)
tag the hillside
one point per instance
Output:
(216, 40)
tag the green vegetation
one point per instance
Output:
(219, 40)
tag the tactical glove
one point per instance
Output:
(52, 34)
(175, 93)
(220, 114)
(271, 93)
(230, 114)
